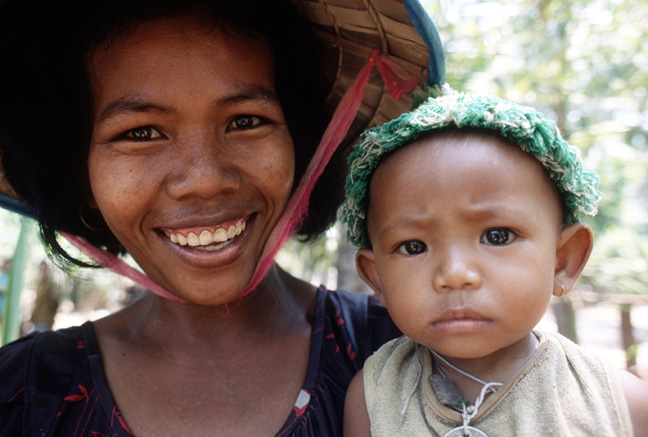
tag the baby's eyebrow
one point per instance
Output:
(478, 213)
(400, 223)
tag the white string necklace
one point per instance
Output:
(469, 412)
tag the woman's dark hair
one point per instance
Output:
(45, 102)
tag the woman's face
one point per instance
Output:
(191, 162)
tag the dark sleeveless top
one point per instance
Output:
(53, 383)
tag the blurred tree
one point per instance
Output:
(348, 278)
(314, 261)
(618, 271)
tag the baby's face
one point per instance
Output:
(464, 228)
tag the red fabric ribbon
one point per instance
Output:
(398, 82)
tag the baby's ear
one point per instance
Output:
(366, 265)
(573, 251)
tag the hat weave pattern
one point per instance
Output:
(351, 29)
(523, 126)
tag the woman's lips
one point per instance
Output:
(211, 255)
(208, 238)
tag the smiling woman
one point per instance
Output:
(203, 148)
(182, 132)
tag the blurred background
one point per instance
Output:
(583, 63)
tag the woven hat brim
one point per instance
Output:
(351, 29)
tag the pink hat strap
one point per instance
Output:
(119, 266)
(398, 82)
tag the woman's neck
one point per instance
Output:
(192, 358)
(279, 304)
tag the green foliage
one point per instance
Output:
(12, 317)
(620, 263)
(314, 261)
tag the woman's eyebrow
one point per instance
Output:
(139, 104)
(249, 93)
(129, 104)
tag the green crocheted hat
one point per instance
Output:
(521, 125)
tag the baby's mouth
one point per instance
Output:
(209, 238)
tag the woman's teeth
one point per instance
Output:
(207, 239)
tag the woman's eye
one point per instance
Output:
(498, 236)
(244, 122)
(412, 248)
(146, 133)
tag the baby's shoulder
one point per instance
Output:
(393, 358)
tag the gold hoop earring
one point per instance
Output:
(562, 291)
(86, 223)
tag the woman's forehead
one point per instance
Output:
(170, 58)
(190, 29)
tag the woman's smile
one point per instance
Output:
(207, 238)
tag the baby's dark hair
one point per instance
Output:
(45, 99)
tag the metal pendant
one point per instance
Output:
(467, 431)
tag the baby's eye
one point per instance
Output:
(244, 122)
(412, 248)
(145, 133)
(498, 236)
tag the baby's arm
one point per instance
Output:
(636, 394)
(356, 417)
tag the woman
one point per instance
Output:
(177, 131)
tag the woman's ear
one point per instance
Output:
(573, 250)
(89, 198)
(366, 265)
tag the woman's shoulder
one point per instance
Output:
(32, 352)
(43, 339)
(363, 318)
(13, 364)
(38, 369)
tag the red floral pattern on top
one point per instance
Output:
(57, 378)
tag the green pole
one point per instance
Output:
(11, 322)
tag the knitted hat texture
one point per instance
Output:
(523, 126)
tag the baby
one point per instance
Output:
(467, 215)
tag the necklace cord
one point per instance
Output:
(469, 411)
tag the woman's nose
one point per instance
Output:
(202, 168)
(456, 270)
